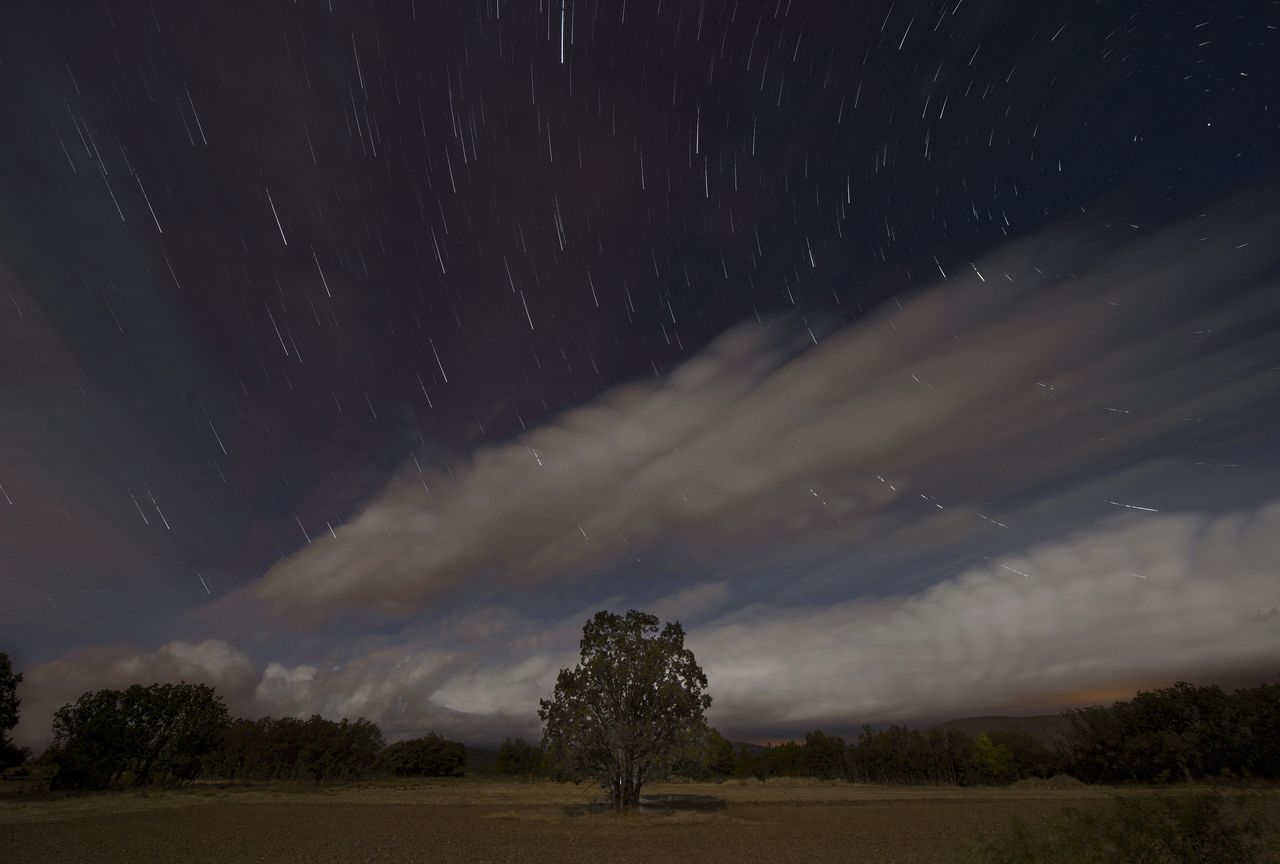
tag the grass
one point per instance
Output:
(470, 821)
(1203, 827)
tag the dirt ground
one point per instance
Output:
(473, 821)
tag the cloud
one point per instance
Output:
(1140, 601)
(1072, 367)
(1073, 352)
(49, 686)
(695, 601)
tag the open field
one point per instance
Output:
(492, 821)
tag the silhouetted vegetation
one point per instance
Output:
(518, 758)
(166, 734)
(1179, 733)
(1176, 734)
(286, 748)
(139, 736)
(173, 733)
(1177, 829)
(429, 756)
(898, 755)
(10, 753)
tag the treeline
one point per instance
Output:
(895, 755)
(175, 733)
(167, 734)
(1181, 733)
(286, 748)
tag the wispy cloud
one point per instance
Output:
(1039, 367)
(1056, 370)
(1139, 601)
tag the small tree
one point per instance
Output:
(993, 762)
(621, 712)
(719, 755)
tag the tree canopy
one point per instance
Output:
(622, 712)
(289, 748)
(428, 756)
(1183, 732)
(518, 758)
(156, 734)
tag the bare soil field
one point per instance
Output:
(466, 821)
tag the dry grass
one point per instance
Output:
(486, 821)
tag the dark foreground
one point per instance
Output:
(470, 821)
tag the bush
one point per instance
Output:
(429, 756)
(1177, 829)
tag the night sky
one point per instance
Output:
(921, 358)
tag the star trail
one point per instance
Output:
(354, 353)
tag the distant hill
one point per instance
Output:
(1045, 728)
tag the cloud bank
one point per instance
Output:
(1140, 601)
(1063, 369)
(1070, 355)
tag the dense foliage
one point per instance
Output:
(1179, 733)
(10, 754)
(429, 756)
(946, 755)
(286, 748)
(622, 713)
(632, 711)
(898, 755)
(172, 733)
(140, 736)
(518, 758)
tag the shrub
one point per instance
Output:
(1195, 828)
(429, 756)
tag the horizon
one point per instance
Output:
(355, 356)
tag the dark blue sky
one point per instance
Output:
(804, 308)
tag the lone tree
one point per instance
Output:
(636, 695)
